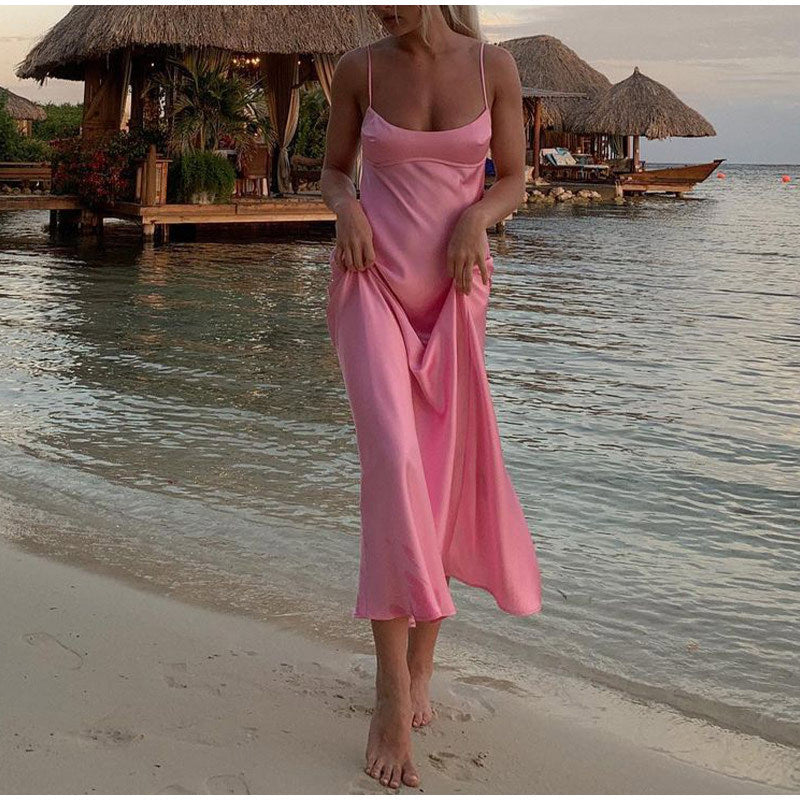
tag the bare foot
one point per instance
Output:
(389, 741)
(422, 712)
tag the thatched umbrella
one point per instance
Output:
(638, 106)
(22, 110)
(110, 46)
(560, 77)
(547, 63)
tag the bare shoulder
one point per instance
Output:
(355, 61)
(349, 81)
(352, 65)
(502, 73)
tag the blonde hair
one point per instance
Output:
(461, 19)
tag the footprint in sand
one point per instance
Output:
(452, 713)
(459, 768)
(493, 683)
(176, 676)
(175, 788)
(59, 654)
(111, 736)
(227, 784)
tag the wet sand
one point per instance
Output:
(110, 688)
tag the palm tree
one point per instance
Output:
(210, 101)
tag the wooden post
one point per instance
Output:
(635, 153)
(104, 92)
(90, 222)
(537, 135)
(68, 219)
(138, 80)
(149, 178)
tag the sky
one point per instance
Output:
(739, 66)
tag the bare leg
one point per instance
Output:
(421, 645)
(389, 742)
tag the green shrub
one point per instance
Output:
(312, 125)
(9, 133)
(202, 171)
(14, 146)
(28, 149)
(63, 120)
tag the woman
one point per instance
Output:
(410, 279)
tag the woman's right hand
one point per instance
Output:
(353, 250)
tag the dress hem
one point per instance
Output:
(356, 614)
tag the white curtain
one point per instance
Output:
(283, 96)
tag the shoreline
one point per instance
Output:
(117, 688)
(289, 601)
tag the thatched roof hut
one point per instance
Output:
(113, 47)
(547, 63)
(22, 111)
(20, 108)
(87, 33)
(638, 106)
(532, 94)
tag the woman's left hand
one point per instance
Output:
(465, 249)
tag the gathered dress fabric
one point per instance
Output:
(436, 500)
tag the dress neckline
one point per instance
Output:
(414, 130)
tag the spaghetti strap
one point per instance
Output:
(483, 80)
(369, 75)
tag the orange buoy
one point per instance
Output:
(720, 174)
(785, 178)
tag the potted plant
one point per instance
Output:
(204, 177)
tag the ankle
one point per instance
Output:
(393, 681)
(420, 670)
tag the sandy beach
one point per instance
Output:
(108, 687)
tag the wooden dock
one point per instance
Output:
(293, 208)
(39, 202)
(155, 220)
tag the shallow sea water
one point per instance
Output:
(178, 412)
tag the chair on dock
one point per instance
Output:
(253, 175)
(559, 164)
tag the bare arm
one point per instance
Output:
(353, 233)
(508, 153)
(508, 141)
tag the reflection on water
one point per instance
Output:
(184, 402)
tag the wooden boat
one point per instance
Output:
(670, 179)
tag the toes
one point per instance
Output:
(386, 775)
(421, 718)
(370, 765)
(376, 769)
(394, 780)
(410, 776)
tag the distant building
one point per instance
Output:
(22, 111)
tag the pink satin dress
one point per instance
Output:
(436, 500)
